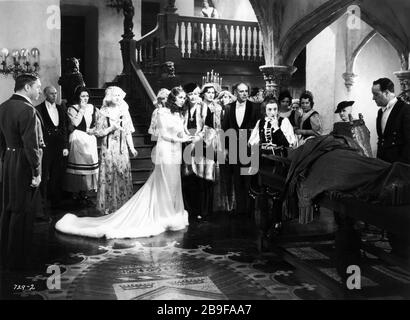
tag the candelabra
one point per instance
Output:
(23, 61)
(214, 78)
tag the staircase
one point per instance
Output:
(142, 165)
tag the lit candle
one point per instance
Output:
(4, 53)
(15, 56)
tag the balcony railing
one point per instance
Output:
(207, 38)
(182, 37)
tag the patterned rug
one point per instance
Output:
(167, 272)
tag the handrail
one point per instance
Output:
(148, 35)
(145, 84)
(218, 21)
(148, 98)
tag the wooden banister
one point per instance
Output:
(189, 38)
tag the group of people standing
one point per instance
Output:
(49, 148)
(211, 182)
(199, 168)
(73, 133)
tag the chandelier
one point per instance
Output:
(213, 78)
(20, 61)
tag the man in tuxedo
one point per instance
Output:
(55, 132)
(393, 123)
(393, 130)
(240, 117)
(21, 143)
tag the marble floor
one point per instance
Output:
(215, 260)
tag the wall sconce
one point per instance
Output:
(23, 61)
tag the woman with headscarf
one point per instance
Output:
(115, 126)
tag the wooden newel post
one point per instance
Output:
(128, 43)
(167, 22)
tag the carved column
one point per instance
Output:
(349, 80)
(277, 78)
(404, 78)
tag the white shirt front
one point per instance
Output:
(240, 112)
(386, 112)
(53, 113)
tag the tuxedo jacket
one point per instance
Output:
(251, 116)
(55, 137)
(394, 144)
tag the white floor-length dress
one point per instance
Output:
(158, 206)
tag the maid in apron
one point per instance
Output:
(82, 166)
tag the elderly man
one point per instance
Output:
(240, 117)
(56, 140)
(21, 145)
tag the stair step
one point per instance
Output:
(137, 184)
(141, 162)
(142, 119)
(141, 128)
(141, 138)
(141, 174)
(97, 92)
(96, 102)
(111, 84)
(144, 150)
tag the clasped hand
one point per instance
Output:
(116, 126)
(35, 182)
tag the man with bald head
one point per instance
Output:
(240, 117)
(56, 140)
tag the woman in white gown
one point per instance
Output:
(158, 206)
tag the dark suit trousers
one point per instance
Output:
(53, 170)
(242, 184)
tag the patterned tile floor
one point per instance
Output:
(213, 260)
